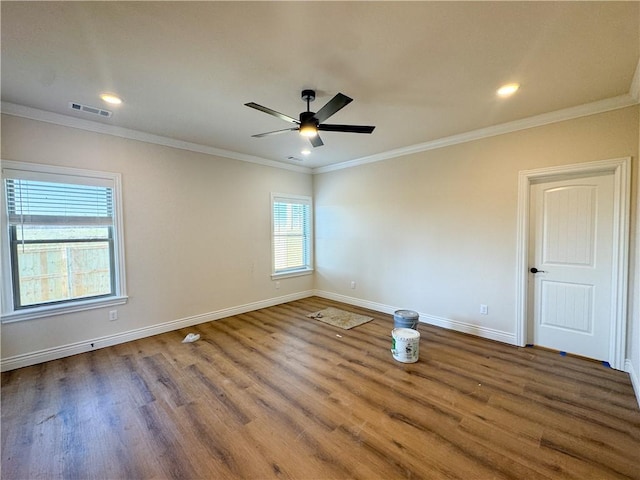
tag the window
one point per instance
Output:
(292, 235)
(64, 247)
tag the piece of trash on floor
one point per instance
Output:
(338, 335)
(192, 337)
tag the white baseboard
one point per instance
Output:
(477, 330)
(458, 326)
(32, 358)
(358, 302)
(635, 380)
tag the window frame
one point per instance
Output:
(32, 171)
(307, 269)
(13, 240)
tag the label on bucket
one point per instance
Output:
(405, 344)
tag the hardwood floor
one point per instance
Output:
(273, 394)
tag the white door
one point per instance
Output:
(572, 249)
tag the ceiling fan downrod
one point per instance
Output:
(309, 96)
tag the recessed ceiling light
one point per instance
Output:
(305, 152)
(111, 98)
(509, 89)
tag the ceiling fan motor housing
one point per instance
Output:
(308, 118)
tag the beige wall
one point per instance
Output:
(197, 231)
(435, 231)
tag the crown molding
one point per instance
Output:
(614, 103)
(634, 91)
(88, 125)
(593, 108)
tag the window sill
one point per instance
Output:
(294, 273)
(51, 310)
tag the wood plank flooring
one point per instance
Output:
(272, 394)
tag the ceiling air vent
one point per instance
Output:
(78, 107)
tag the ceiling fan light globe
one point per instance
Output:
(308, 131)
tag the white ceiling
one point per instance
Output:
(418, 71)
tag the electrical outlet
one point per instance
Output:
(277, 285)
(113, 315)
(353, 284)
(484, 310)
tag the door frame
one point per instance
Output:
(621, 170)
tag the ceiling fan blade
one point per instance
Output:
(345, 128)
(316, 141)
(282, 116)
(335, 104)
(275, 132)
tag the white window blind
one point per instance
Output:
(32, 202)
(292, 234)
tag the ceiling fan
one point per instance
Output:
(310, 123)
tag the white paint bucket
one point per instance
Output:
(405, 344)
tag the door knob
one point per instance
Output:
(535, 270)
